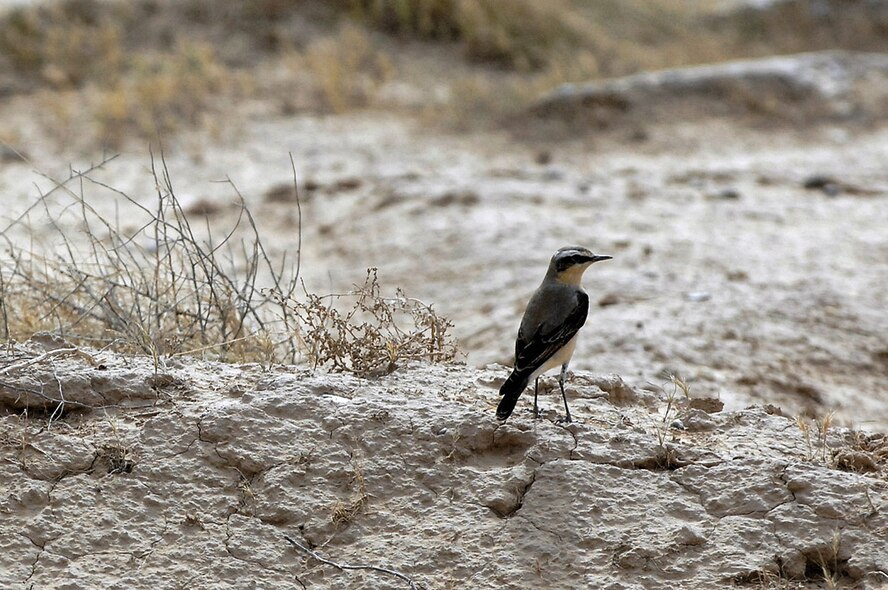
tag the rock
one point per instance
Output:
(677, 424)
(698, 296)
(77, 381)
(805, 87)
(465, 198)
(825, 184)
(609, 299)
(698, 421)
(726, 194)
(201, 206)
(284, 192)
(709, 405)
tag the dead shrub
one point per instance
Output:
(158, 286)
(154, 286)
(862, 452)
(368, 339)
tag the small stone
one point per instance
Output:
(677, 425)
(553, 174)
(609, 299)
(698, 421)
(827, 185)
(726, 194)
(543, 157)
(202, 206)
(347, 184)
(281, 193)
(698, 296)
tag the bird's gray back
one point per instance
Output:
(549, 307)
(554, 315)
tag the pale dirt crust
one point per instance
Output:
(192, 477)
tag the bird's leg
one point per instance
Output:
(536, 389)
(563, 396)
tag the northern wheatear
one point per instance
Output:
(548, 333)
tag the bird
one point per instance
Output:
(547, 336)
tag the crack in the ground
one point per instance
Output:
(542, 529)
(762, 514)
(36, 558)
(520, 494)
(151, 545)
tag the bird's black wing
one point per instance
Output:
(532, 351)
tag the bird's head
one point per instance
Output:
(568, 264)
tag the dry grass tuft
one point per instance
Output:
(84, 53)
(368, 339)
(670, 412)
(525, 35)
(344, 513)
(63, 44)
(817, 447)
(163, 93)
(347, 69)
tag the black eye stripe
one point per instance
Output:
(569, 261)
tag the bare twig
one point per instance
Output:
(343, 566)
(298, 219)
(60, 409)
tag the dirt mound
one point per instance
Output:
(801, 88)
(197, 484)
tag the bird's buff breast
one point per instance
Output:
(559, 358)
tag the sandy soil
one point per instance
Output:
(726, 269)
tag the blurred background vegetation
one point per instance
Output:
(115, 70)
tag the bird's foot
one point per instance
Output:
(564, 420)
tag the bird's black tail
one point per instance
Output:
(511, 391)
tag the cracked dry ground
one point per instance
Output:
(191, 479)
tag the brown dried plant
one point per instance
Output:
(372, 336)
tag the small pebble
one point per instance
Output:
(698, 296)
(823, 183)
(677, 424)
(727, 194)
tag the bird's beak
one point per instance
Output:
(600, 258)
